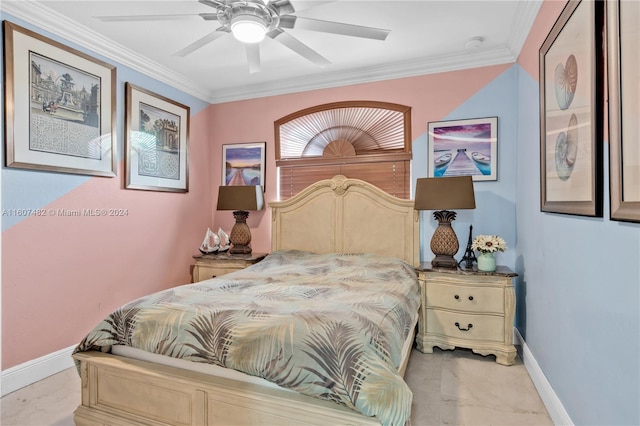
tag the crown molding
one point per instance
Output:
(38, 14)
(444, 63)
(47, 19)
(526, 13)
(521, 25)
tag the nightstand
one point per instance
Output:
(468, 309)
(213, 265)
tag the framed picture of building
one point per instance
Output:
(156, 142)
(464, 148)
(59, 106)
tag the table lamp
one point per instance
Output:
(443, 195)
(240, 199)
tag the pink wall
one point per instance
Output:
(63, 275)
(431, 97)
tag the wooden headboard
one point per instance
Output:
(342, 215)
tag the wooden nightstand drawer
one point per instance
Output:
(480, 328)
(214, 265)
(208, 272)
(469, 309)
(466, 298)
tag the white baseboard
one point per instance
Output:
(37, 369)
(554, 406)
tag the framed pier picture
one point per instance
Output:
(464, 148)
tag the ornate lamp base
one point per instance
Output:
(442, 261)
(444, 243)
(240, 235)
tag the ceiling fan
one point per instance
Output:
(250, 21)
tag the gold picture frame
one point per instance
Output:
(156, 142)
(623, 42)
(571, 111)
(59, 106)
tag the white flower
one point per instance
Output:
(488, 243)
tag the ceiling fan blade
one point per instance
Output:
(253, 57)
(213, 3)
(283, 7)
(209, 16)
(340, 28)
(200, 42)
(298, 47)
(287, 21)
(134, 18)
(303, 5)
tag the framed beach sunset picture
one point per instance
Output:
(464, 148)
(243, 164)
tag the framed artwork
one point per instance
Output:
(623, 45)
(243, 164)
(156, 142)
(59, 106)
(463, 148)
(571, 105)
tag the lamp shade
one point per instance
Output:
(248, 198)
(445, 193)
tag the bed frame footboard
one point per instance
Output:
(118, 391)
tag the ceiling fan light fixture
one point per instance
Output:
(248, 28)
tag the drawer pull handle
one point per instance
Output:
(469, 327)
(457, 297)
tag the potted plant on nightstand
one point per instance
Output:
(488, 245)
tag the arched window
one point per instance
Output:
(365, 140)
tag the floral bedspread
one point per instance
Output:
(330, 326)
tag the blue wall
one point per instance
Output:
(578, 290)
(30, 189)
(495, 200)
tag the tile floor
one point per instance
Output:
(462, 388)
(449, 388)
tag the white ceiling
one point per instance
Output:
(426, 36)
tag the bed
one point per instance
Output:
(344, 220)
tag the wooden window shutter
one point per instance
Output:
(295, 179)
(364, 140)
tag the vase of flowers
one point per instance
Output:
(488, 245)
